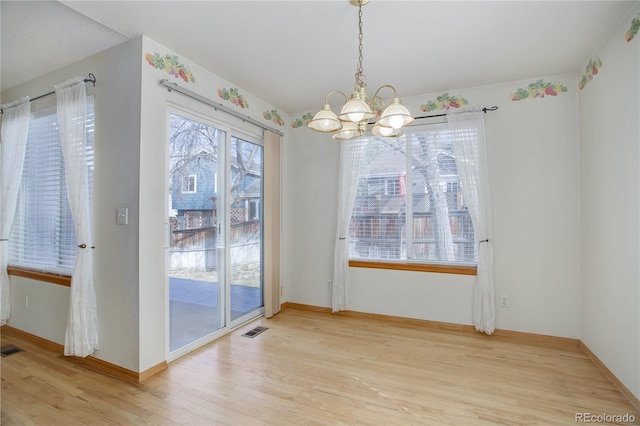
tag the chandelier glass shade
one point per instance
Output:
(359, 109)
(325, 120)
(348, 131)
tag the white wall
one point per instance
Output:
(610, 160)
(117, 135)
(310, 181)
(533, 155)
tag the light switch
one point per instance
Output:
(122, 216)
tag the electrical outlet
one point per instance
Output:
(329, 285)
(26, 301)
(504, 301)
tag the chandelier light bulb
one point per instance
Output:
(395, 115)
(327, 124)
(356, 117)
(355, 111)
(383, 131)
(396, 122)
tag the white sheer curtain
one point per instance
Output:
(467, 134)
(350, 157)
(81, 337)
(15, 129)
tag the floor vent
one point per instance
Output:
(9, 350)
(255, 332)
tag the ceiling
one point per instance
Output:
(292, 53)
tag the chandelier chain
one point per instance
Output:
(359, 71)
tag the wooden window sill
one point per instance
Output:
(420, 267)
(64, 280)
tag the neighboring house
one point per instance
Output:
(193, 194)
(194, 197)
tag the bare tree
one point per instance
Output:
(191, 141)
(425, 159)
(246, 161)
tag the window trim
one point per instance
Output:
(407, 264)
(417, 267)
(64, 280)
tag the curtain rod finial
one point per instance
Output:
(91, 79)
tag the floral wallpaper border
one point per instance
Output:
(272, 115)
(233, 95)
(171, 65)
(538, 89)
(302, 121)
(591, 70)
(444, 102)
(633, 29)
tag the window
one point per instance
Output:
(380, 185)
(409, 206)
(254, 209)
(43, 237)
(189, 184)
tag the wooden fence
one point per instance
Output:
(196, 248)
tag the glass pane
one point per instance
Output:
(245, 237)
(378, 219)
(196, 290)
(43, 237)
(442, 228)
(409, 203)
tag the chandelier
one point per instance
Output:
(355, 114)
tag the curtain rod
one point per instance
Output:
(485, 110)
(173, 86)
(91, 79)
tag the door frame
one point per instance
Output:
(196, 111)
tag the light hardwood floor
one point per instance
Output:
(314, 368)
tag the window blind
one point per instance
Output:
(43, 236)
(409, 204)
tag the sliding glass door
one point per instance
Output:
(215, 230)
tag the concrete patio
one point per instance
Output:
(193, 308)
